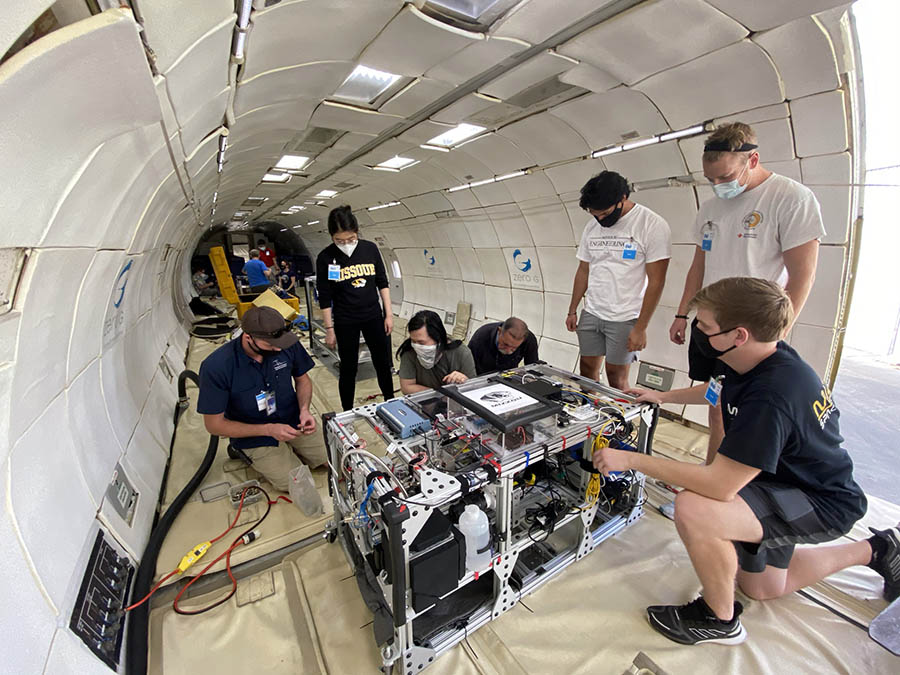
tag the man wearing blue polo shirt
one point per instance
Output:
(257, 273)
(256, 391)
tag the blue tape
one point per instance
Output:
(527, 459)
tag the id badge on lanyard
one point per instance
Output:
(265, 400)
(334, 272)
(714, 391)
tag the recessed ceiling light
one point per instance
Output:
(287, 213)
(456, 135)
(256, 199)
(313, 222)
(298, 208)
(292, 162)
(470, 8)
(326, 194)
(365, 84)
(276, 178)
(397, 162)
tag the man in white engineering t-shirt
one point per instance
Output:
(624, 255)
(759, 225)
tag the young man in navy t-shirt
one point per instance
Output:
(780, 478)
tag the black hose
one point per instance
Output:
(139, 618)
(180, 407)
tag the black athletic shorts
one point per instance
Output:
(700, 367)
(788, 518)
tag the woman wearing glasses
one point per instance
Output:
(350, 277)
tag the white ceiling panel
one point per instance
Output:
(338, 117)
(461, 110)
(638, 43)
(828, 176)
(589, 77)
(536, 21)
(536, 69)
(707, 87)
(413, 43)
(661, 160)
(804, 56)
(498, 154)
(759, 16)
(820, 124)
(424, 132)
(677, 206)
(603, 119)
(545, 138)
(290, 33)
(474, 59)
(462, 166)
(283, 119)
(310, 81)
(412, 99)
(172, 29)
(430, 202)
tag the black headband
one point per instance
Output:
(725, 146)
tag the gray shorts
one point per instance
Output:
(597, 337)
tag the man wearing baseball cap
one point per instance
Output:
(255, 390)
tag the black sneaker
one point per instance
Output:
(887, 563)
(695, 622)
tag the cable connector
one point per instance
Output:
(250, 536)
(193, 556)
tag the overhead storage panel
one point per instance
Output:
(290, 33)
(759, 16)
(708, 86)
(639, 42)
(530, 186)
(820, 124)
(617, 115)
(804, 56)
(413, 43)
(473, 60)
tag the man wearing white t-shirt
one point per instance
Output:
(759, 224)
(623, 258)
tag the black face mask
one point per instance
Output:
(611, 219)
(262, 352)
(701, 340)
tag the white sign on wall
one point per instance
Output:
(524, 270)
(114, 323)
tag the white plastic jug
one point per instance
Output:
(473, 523)
(302, 491)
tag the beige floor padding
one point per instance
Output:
(589, 619)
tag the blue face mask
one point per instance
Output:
(732, 188)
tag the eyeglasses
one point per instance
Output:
(345, 241)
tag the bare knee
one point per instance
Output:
(689, 512)
(760, 589)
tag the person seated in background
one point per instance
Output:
(202, 284)
(501, 346)
(258, 274)
(428, 359)
(781, 476)
(256, 390)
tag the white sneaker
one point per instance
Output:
(668, 509)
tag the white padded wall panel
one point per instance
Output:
(411, 262)
(68, 654)
(558, 267)
(493, 194)
(602, 119)
(481, 231)
(496, 303)
(509, 225)
(438, 234)
(679, 263)
(820, 124)
(163, 396)
(171, 31)
(437, 292)
(457, 233)
(412, 43)
(548, 222)
(145, 453)
(660, 349)
(17, 17)
(87, 326)
(453, 293)
(120, 394)
(662, 160)
(207, 117)
(527, 187)
(678, 206)
(434, 262)
(498, 154)
(449, 267)
(762, 15)
(529, 306)
(545, 138)
(828, 176)
(474, 294)
(96, 449)
(556, 306)
(469, 265)
(406, 310)
(412, 287)
(572, 176)
(493, 266)
(47, 316)
(43, 467)
(28, 614)
(804, 56)
(429, 202)
(559, 354)
(707, 86)
(813, 343)
(536, 21)
(92, 70)
(293, 30)
(471, 60)
(637, 43)
(824, 297)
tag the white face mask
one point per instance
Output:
(732, 188)
(348, 249)
(427, 354)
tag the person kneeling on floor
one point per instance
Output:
(780, 478)
(256, 390)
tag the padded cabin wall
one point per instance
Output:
(89, 176)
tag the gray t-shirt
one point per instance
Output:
(452, 359)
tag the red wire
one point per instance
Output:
(152, 591)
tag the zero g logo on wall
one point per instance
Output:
(524, 271)
(429, 257)
(114, 323)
